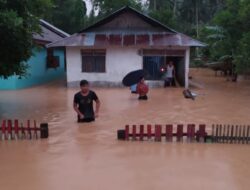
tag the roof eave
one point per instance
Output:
(54, 29)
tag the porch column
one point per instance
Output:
(187, 61)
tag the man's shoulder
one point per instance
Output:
(78, 94)
(91, 92)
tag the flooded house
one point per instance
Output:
(45, 64)
(126, 40)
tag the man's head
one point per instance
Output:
(170, 63)
(84, 85)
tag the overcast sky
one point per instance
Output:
(89, 6)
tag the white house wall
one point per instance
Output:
(119, 61)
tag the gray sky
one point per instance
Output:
(89, 6)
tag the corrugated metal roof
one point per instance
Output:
(49, 33)
(138, 39)
(93, 36)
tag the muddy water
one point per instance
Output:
(88, 156)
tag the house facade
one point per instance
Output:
(45, 64)
(126, 40)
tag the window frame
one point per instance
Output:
(93, 53)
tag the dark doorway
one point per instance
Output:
(179, 65)
(153, 66)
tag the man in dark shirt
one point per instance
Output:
(83, 103)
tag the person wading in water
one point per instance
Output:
(83, 103)
(142, 89)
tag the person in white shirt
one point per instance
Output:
(169, 76)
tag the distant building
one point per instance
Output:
(122, 42)
(45, 64)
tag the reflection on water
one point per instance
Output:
(88, 156)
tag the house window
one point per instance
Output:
(94, 61)
(51, 60)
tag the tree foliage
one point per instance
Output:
(19, 19)
(234, 20)
(68, 15)
(186, 16)
(242, 58)
(163, 11)
(106, 7)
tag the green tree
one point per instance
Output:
(214, 36)
(232, 24)
(155, 5)
(230, 37)
(106, 7)
(186, 16)
(91, 18)
(194, 14)
(79, 14)
(19, 19)
(242, 58)
(234, 19)
(164, 15)
(68, 15)
(173, 5)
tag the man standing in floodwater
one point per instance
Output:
(170, 75)
(83, 103)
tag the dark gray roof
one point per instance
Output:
(94, 37)
(49, 33)
(125, 39)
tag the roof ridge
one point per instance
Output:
(53, 28)
(105, 19)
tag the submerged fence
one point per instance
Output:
(190, 133)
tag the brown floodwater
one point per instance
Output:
(88, 156)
